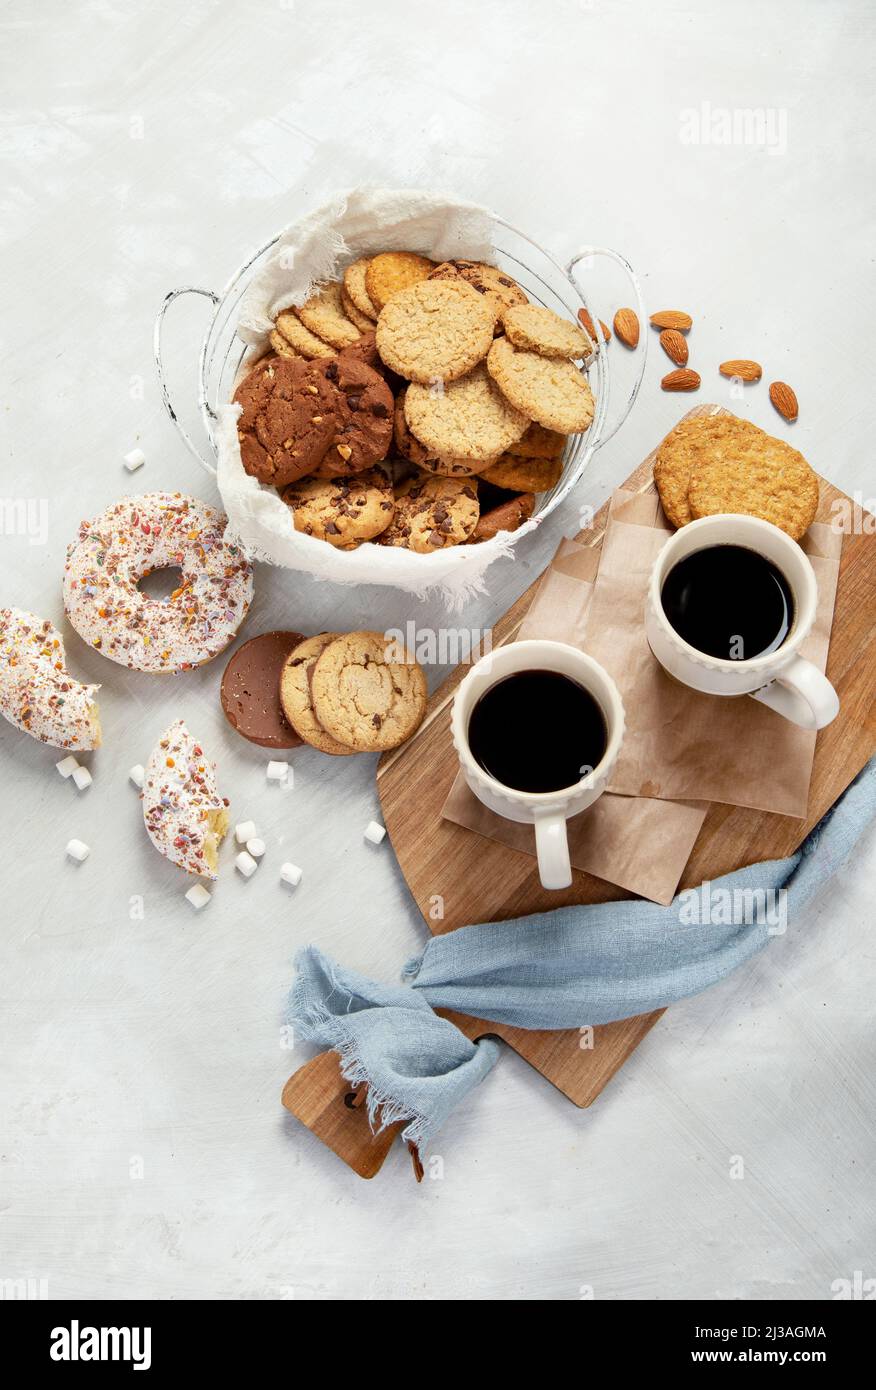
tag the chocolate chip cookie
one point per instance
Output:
(341, 510)
(432, 514)
(367, 693)
(295, 694)
(289, 419)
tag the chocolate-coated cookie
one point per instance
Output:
(250, 691)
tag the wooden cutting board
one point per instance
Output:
(481, 880)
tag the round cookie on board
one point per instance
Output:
(367, 693)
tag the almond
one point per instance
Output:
(674, 344)
(672, 318)
(784, 399)
(626, 326)
(587, 323)
(742, 367)
(683, 380)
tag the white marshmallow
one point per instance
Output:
(280, 772)
(67, 766)
(246, 864)
(82, 777)
(374, 832)
(245, 831)
(78, 850)
(198, 896)
(256, 847)
(137, 775)
(134, 460)
(290, 873)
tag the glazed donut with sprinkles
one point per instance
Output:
(130, 540)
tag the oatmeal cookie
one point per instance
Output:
(553, 392)
(469, 418)
(536, 329)
(436, 330)
(323, 314)
(392, 271)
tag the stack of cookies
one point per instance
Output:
(352, 693)
(719, 463)
(414, 404)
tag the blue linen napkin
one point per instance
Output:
(566, 968)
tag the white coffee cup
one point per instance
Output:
(547, 811)
(782, 679)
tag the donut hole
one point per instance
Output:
(161, 583)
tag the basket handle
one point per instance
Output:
(642, 348)
(159, 365)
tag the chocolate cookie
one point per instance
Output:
(363, 413)
(289, 420)
(341, 510)
(508, 516)
(250, 690)
(365, 350)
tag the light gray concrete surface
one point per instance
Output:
(144, 1150)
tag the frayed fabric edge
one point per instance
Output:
(317, 1024)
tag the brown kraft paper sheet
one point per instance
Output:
(679, 743)
(639, 843)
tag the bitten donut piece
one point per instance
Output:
(184, 814)
(158, 530)
(37, 693)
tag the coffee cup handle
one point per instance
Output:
(802, 694)
(552, 848)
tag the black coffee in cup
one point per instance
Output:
(537, 731)
(729, 602)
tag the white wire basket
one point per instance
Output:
(543, 279)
